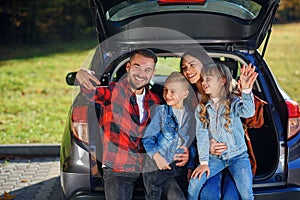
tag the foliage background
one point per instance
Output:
(288, 11)
(31, 21)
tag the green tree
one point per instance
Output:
(288, 11)
(34, 21)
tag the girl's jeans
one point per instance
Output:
(220, 186)
(238, 166)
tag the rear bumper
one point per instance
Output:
(72, 183)
(87, 195)
(278, 194)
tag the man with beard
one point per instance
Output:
(126, 113)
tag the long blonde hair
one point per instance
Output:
(225, 96)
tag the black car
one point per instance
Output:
(231, 31)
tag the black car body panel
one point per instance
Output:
(209, 24)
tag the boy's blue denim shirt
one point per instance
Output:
(163, 132)
(234, 137)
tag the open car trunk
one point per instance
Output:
(264, 139)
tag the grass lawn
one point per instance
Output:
(283, 54)
(34, 98)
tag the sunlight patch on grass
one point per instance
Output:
(35, 98)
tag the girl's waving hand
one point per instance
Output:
(247, 77)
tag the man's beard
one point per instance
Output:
(135, 87)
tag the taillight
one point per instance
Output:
(294, 118)
(79, 123)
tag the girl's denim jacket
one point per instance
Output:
(163, 132)
(233, 137)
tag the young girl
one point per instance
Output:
(191, 63)
(218, 117)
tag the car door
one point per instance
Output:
(233, 23)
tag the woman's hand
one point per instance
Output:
(217, 148)
(181, 159)
(161, 162)
(87, 79)
(247, 77)
(200, 170)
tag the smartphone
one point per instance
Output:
(104, 80)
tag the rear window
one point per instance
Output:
(243, 9)
(166, 65)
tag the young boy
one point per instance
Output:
(170, 131)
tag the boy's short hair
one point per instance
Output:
(179, 78)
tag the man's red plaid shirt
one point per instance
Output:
(122, 147)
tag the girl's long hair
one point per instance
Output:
(225, 96)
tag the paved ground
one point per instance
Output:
(30, 178)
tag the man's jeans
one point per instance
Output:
(119, 185)
(240, 169)
(160, 182)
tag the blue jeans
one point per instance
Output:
(229, 189)
(212, 188)
(220, 186)
(240, 169)
(119, 185)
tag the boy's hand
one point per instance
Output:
(181, 159)
(200, 170)
(247, 77)
(161, 162)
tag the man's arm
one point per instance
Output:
(87, 79)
